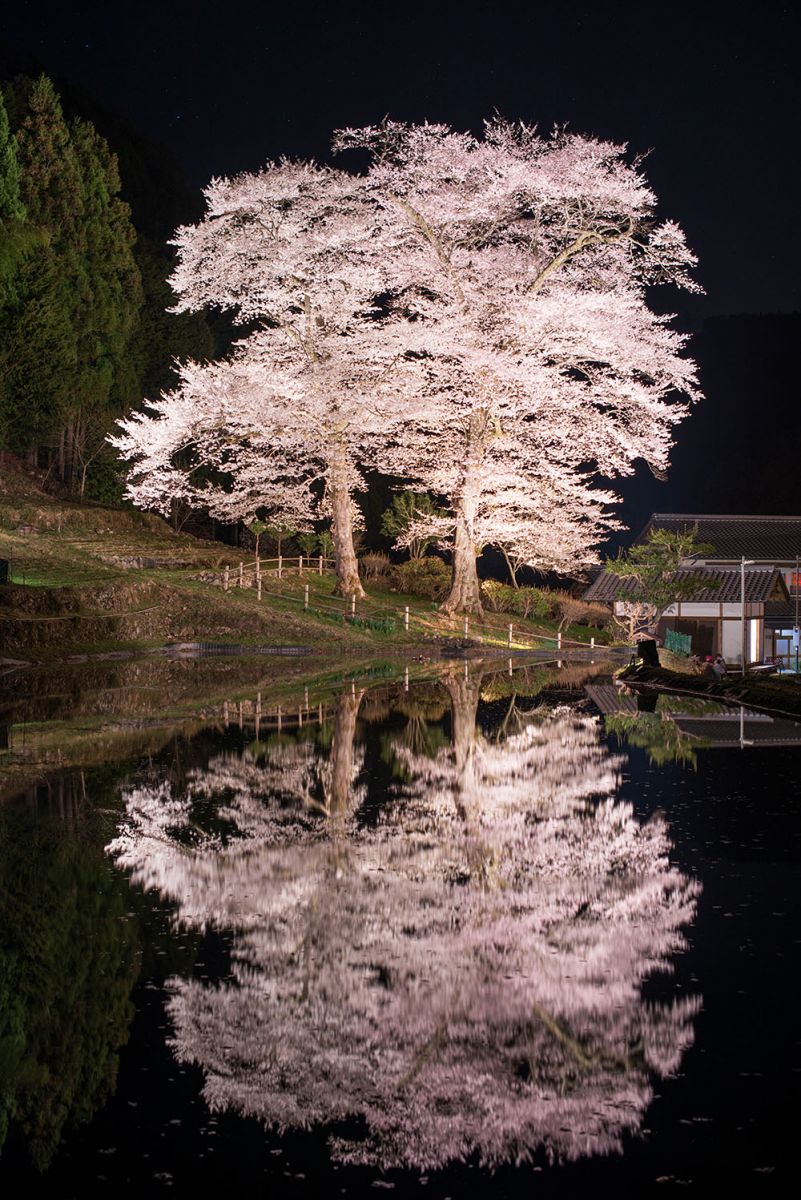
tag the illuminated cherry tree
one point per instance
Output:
(296, 251)
(522, 279)
(469, 316)
(468, 969)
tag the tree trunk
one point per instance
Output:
(342, 743)
(465, 593)
(345, 563)
(464, 694)
(511, 569)
(69, 454)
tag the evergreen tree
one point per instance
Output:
(111, 299)
(11, 206)
(41, 345)
(79, 295)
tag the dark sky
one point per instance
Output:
(712, 89)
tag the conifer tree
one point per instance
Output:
(79, 293)
(42, 344)
(11, 206)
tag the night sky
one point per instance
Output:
(710, 90)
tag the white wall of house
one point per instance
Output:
(708, 609)
(730, 639)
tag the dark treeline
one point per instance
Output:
(84, 327)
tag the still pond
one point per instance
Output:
(493, 932)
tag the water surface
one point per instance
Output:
(486, 933)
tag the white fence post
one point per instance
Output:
(280, 565)
(406, 617)
(300, 564)
(320, 568)
(227, 579)
(559, 640)
(466, 624)
(241, 574)
(510, 636)
(353, 605)
(592, 643)
(258, 588)
(306, 598)
(406, 680)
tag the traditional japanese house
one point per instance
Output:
(748, 587)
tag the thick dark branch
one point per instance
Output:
(587, 237)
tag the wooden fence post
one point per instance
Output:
(406, 680)
(466, 624)
(406, 617)
(320, 568)
(226, 579)
(510, 637)
(306, 598)
(241, 574)
(300, 564)
(353, 605)
(258, 588)
(280, 565)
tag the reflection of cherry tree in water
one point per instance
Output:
(465, 976)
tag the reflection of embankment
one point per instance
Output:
(68, 961)
(465, 975)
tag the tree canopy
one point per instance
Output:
(469, 316)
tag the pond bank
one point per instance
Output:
(773, 693)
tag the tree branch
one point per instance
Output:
(587, 237)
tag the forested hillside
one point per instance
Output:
(84, 329)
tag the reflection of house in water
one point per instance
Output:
(715, 725)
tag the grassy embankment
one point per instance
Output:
(92, 580)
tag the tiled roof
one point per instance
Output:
(767, 539)
(718, 584)
(781, 613)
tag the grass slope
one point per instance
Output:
(86, 579)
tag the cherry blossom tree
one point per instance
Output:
(524, 266)
(296, 251)
(227, 441)
(468, 969)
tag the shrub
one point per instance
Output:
(378, 624)
(573, 611)
(522, 602)
(429, 577)
(375, 565)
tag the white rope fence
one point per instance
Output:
(260, 573)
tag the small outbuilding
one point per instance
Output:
(734, 608)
